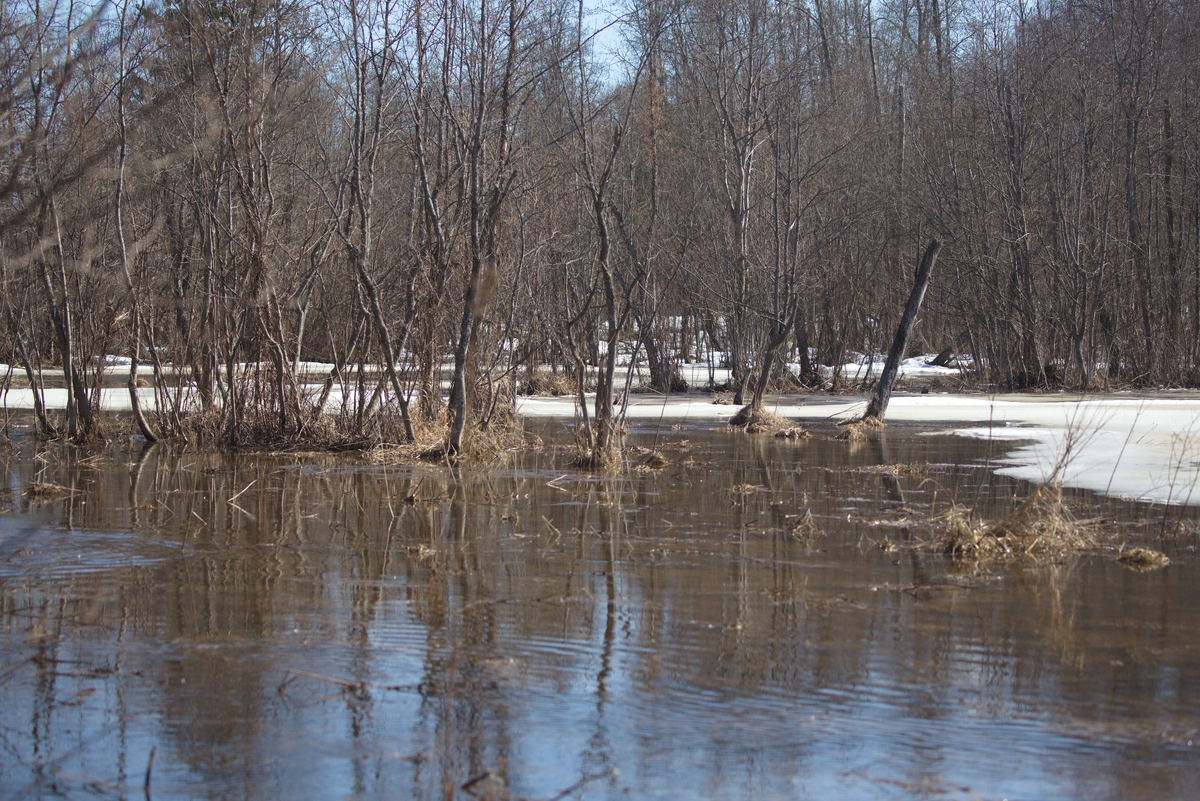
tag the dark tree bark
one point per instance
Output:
(883, 391)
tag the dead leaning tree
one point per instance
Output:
(883, 390)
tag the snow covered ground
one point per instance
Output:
(862, 368)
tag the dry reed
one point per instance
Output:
(543, 382)
(916, 469)
(757, 420)
(856, 430)
(1040, 528)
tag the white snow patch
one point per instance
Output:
(914, 368)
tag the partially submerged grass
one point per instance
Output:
(597, 460)
(757, 420)
(262, 430)
(915, 469)
(480, 444)
(1143, 559)
(655, 460)
(856, 430)
(46, 491)
(646, 459)
(1042, 527)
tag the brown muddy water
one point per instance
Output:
(307, 626)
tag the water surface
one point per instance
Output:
(320, 626)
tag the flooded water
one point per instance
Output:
(205, 625)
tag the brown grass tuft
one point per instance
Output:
(853, 432)
(655, 460)
(1041, 527)
(794, 432)
(543, 382)
(916, 469)
(480, 444)
(1143, 559)
(963, 536)
(855, 429)
(645, 459)
(597, 460)
(757, 420)
(46, 491)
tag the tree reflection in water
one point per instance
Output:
(311, 625)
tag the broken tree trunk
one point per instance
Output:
(943, 358)
(883, 391)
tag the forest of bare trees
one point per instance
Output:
(428, 193)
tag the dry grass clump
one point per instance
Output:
(391, 453)
(261, 429)
(964, 536)
(916, 469)
(480, 443)
(598, 460)
(46, 491)
(1143, 559)
(757, 420)
(1041, 527)
(794, 432)
(851, 433)
(543, 382)
(856, 430)
(655, 460)
(647, 459)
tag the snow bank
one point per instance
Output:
(912, 369)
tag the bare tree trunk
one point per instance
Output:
(136, 306)
(22, 348)
(883, 391)
(768, 364)
(385, 341)
(486, 195)
(79, 409)
(808, 375)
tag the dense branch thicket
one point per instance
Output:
(426, 193)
